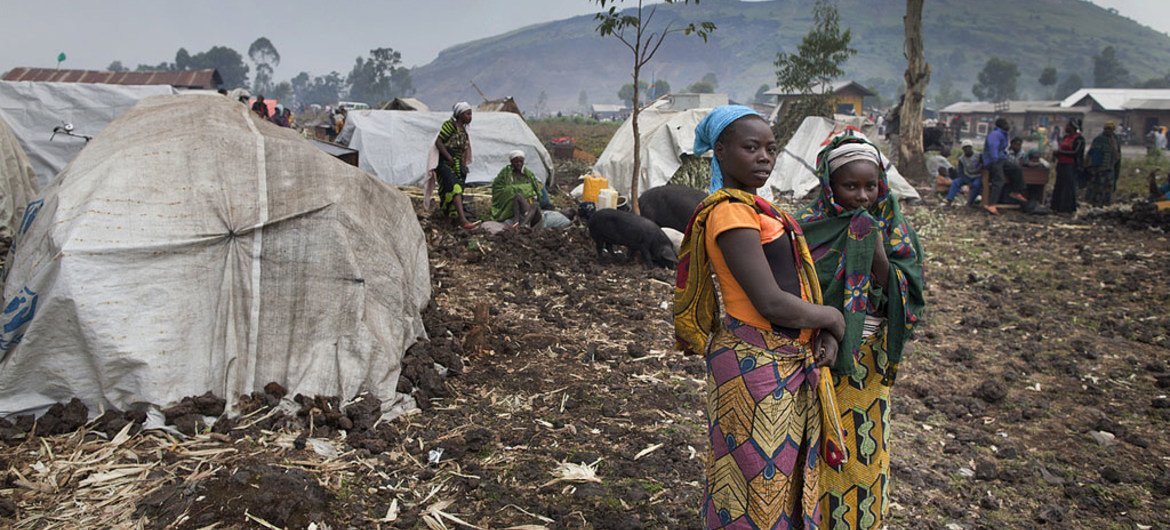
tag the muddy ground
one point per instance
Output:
(1033, 396)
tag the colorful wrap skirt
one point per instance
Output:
(764, 423)
(855, 495)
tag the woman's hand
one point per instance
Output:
(881, 263)
(825, 349)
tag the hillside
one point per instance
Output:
(563, 58)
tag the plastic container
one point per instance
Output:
(607, 198)
(593, 185)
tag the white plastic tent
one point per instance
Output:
(33, 109)
(666, 136)
(393, 145)
(795, 171)
(17, 181)
(193, 247)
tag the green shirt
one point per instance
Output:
(505, 187)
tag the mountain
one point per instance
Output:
(564, 58)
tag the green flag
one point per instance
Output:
(61, 57)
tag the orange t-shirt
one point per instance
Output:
(726, 216)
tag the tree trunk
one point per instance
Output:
(911, 158)
(637, 146)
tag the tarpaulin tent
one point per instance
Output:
(393, 145)
(795, 175)
(17, 181)
(195, 247)
(666, 136)
(33, 109)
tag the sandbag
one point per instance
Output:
(193, 247)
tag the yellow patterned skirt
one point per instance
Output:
(856, 495)
(764, 424)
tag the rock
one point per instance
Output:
(189, 424)
(7, 509)
(1103, 438)
(1138, 440)
(1162, 381)
(1050, 514)
(986, 470)
(991, 391)
(1111, 474)
(1160, 403)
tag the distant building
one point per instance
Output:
(685, 101)
(976, 118)
(500, 105)
(208, 79)
(602, 111)
(1138, 108)
(847, 97)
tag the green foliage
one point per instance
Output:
(626, 92)
(116, 66)
(1156, 82)
(1048, 76)
(695, 172)
(227, 61)
(1108, 72)
(760, 97)
(265, 57)
(659, 88)
(380, 78)
(322, 89)
(946, 93)
(583, 101)
(997, 80)
(821, 53)
(588, 134)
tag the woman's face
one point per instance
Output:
(855, 185)
(1069, 128)
(465, 117)
(746, 152)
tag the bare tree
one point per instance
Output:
(911, 158)
(636, 33)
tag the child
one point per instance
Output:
(772, 338)
(869, 264)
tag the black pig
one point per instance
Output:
(671, 205)
(638, 234)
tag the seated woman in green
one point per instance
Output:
(516, 193)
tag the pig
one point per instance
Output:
(671, 205)
(674, 236)
(638, 234)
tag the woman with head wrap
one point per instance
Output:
(516, 193)
(454, 156)
(771, 419)
(1070, 156)
(869, 264)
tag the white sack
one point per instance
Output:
(32, 109)
(17, 181)
(393, 144)
(795, 171)
(194, 247)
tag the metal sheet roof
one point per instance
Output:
(1115, 99)
(205, 79)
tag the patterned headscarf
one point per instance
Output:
(708, 131)
(842, 243)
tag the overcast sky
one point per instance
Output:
(311, 36)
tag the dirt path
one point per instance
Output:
(1043, 335)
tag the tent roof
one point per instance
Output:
(836, 87)
(397, 146)
(208, 79)
(795, 171)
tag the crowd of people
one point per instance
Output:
(1090, 174)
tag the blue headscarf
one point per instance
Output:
(707, 133)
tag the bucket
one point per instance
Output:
(607, 198)
(592, 186)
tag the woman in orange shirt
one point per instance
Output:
(768, 400)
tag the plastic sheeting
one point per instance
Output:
(194, 247)
(17, 180)
(795, 171)
(33, 109)
(666, 136)
(393, 144)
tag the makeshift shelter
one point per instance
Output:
(406, 104)
(34, 109)
(666, 135)
(394, 144)
(17, 181)
(194, 247)
(795, 171)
